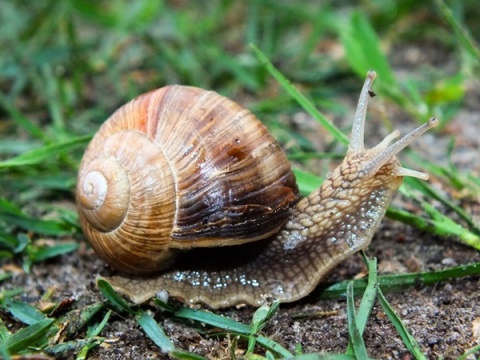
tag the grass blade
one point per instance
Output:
(116, 300)
(354, 335)
(363, 49)
(462, 34)
(231, 326)
(401, 281)
(22, 312)
(299, 97)
(12, 215)
(307, 182)
(146, 321)
(46, 252)
(474, 350)
(23, 122)
(431, 192)
(89, 345)
(155, 332)
(26, 337)
(364, 52)
(214, 320)
(407, 338)
(260, 318)
(369, 296)
(322, 356)
(442, 225)
(96, 330)
(183, 355)
(47, 152)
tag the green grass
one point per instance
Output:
(66, 65)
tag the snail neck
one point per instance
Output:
(344, 213)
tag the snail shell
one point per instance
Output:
(183, 168)
(177, 168)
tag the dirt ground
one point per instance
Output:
(444, 319)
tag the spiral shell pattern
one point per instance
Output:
(179, 168)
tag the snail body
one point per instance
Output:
(185, 191)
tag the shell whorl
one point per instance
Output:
(103, 178)
(177, 168)
(118, 229)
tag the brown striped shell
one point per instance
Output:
(178, 168)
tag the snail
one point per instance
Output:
(183, 190)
